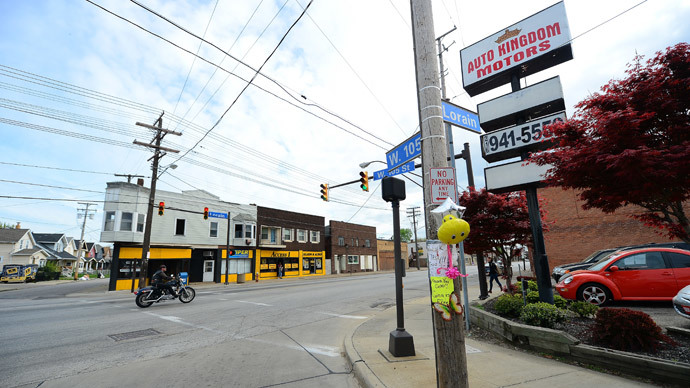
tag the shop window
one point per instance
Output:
(315, 236)
(126, 221)
(341, 241)
(180, 227)
(287, 234)
(213, 229)
(353, 259)
(301, 235)
(140, 222)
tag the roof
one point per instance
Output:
(12, 235)
(27, 252)
(47, 237)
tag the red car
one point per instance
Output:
(636, 274)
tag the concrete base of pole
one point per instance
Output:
(401, 343)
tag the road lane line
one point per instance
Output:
(180, 321)
(254, 303)
(345, 316)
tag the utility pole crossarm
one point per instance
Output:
(137, 142)
(159, 129)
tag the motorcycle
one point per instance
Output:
(147, 296)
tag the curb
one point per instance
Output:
(360, 369)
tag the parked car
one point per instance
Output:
(589, 261)
(632, 274)
(599, 255)
(681, 302)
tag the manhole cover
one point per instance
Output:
(134, 334)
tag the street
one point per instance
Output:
(285, 332)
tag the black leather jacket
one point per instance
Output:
(160, 277)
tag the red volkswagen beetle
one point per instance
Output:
(636, 274)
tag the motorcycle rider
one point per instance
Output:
(160, 279)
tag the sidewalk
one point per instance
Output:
(488, 365)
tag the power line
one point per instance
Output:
(50, 186)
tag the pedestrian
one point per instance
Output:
(280, 269)
(493, 275)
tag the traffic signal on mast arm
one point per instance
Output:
(161, 208)
(206, 213)
(365, 180)
(324, 191)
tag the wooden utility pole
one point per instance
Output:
(414, 212)
(157, 154)
(86, 211)
(451, 360)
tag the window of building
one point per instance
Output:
(352, 242)
(213, 229)
(367, 243)
(248, 229)
(301, 235)
(109, 222)
(314, 236)
(238, 230)
(126, 221)
(112, 195)
(270, 235)
(357, 242)
(180, 227)
(353, 259)
(287, 234)
(341, 241)
(140, 222)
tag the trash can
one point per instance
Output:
(183, 277)
(240, 278)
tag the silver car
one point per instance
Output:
(681, 302)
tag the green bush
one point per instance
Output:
(560, 302)
(532, 297)
(542, 314)
(532, 285)
(509, 305)
(627, 330)
(50, 271)
(583, 309)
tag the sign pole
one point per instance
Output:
(227, 254)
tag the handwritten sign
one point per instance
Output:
(441, 288)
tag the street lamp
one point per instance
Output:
(365, 164)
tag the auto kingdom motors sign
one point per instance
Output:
(529, 46)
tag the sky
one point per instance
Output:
(337, 90)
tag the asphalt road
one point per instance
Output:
(285, 332)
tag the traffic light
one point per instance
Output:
(161, 208)
(365, 180)
(206, 213)
(324, 191)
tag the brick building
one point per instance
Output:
(294, 239)
(386, 253)
(350, 247)
(576, 233)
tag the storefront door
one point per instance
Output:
(208, 270)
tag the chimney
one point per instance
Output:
(19, 225)
(140, 182)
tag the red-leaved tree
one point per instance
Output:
(499, 223)
(630, 144)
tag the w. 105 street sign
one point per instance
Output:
(406, 151)
(407, 167)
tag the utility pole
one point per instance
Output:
(451, 360)
(86, 215)
(414, 212)
(157, 154)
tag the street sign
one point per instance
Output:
(442, 184)
(218, 215)
(463, 118)
(406, 151)
(512, 141)
(407, 167)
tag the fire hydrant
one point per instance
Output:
(257, 277)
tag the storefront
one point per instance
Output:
(127, 265)
(296, 263)
(237, 265)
